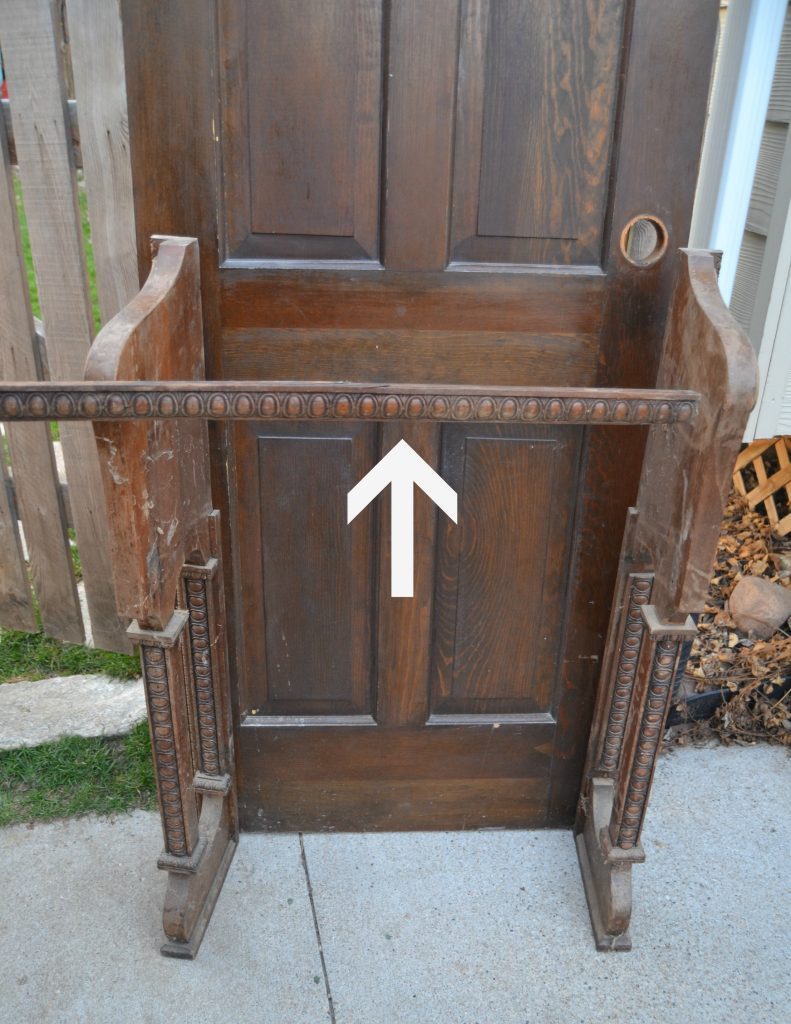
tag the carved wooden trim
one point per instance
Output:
(157, 682)
(197, 601)
(660, 684)
(286, 400)
(628, 658)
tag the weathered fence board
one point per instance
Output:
(100, 85)
(16, 606)
(30, 30)
(36, 485)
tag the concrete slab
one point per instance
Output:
(477, 928)
(44, 710)
(493, 927)
(80, 930)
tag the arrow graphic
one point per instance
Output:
(402, 468)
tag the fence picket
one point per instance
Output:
(16, 606)
(30, 31)
(97, 54)
(36, 484)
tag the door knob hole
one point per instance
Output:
(644, 240)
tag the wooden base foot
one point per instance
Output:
(193, 891)
(606, 874)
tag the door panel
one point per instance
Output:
(502, 571)
(307, 577)
(303, 88)
(535, 121)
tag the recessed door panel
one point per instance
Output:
(502, 572)
(534, 125)
(307, 576)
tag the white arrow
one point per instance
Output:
(402, 468)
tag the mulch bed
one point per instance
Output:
(755, 675)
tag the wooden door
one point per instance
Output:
(430, 192)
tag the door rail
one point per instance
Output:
(292, 400)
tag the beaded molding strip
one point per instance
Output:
(284, 400)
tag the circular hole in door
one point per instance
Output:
(644, 240)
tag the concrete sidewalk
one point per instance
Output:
(472, 928)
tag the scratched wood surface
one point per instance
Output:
(32, 55)
(36, 484)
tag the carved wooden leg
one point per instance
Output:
(198, 814)
(609, 842)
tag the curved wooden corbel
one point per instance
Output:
(168, 580)
(668, 552)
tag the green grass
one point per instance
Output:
(35, 656)
(77, 776)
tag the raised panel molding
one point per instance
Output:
(307, 577)
(302, 91)
(535, 114)
(502, 572)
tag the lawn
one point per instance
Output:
(77, 776)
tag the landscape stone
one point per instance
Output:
(41, 711)
(759, 606)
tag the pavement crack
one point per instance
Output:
(316, 928)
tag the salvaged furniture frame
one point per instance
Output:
(147, 397)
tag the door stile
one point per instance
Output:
(404, 627)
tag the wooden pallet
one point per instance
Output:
(754, 456)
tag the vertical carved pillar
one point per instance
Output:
(631, 799)
(626, 671)
(164, 680)
(205, 674)
(609, 842)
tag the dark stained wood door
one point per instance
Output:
(433, 192)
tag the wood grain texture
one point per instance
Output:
(32, 55)
(404, 627)
(500, 598)
(500, 357)
(16, 604)
(74, 130)
(704, 348)
(421, 87)
(307, 576)
(100, 84)
(370, 779)
(535, 122)
(36, 483)
(155, 472)
(300, 129)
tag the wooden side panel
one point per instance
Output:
(535, 119)
(501, 576)
(303, 82)
(308, 578)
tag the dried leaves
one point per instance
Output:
(722, 657)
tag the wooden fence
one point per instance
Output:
(46, 137)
